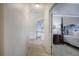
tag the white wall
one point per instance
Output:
(70, 20)
(17, 23)
(66, 20)
(47, 30)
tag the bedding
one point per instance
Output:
(73, 40)
(71, 34)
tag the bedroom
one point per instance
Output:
(65, 29)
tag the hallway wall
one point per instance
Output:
(47, 37)
(1, 30)
(16, 22)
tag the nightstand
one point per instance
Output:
(58, 39)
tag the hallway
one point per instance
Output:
(36, 49)
(20, 28)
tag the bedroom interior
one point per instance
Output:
(65, 29)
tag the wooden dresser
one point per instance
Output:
(58, 39)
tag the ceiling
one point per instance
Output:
(66, 9)
(40, 9)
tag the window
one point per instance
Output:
(39, 29)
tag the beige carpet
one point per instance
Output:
(65, 50)
(36, 50)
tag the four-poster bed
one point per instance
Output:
(69, 34)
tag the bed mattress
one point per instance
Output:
(73, 40)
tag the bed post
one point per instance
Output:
(62, 29)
